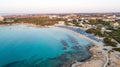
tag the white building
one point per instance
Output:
(113, 16)
(61, 22)
(115, 24)
(117, 18)
(70, 20)
(1, 18)
(103, 29)
(9, 20)
(53, 16)
(81, 24)
(108, 20)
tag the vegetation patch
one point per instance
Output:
(109, 42)
(116, 49)
(115, 34)
(96, 32)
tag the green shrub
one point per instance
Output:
(109, 42)
(116, 49)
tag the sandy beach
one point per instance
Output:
(97, 59)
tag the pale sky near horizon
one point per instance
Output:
(59, 6)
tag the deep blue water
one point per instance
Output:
(23, 46)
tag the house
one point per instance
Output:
(117, 18)
(8, 20)
(61, 22)
(114, 24)
(1, 18)
(113, 16)
(81, 24)
(70, 20)
(92, 18)
(53, 16)
(103, 29)
(108, 19)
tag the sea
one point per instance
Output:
(28, 46)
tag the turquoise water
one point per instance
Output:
(23, 46)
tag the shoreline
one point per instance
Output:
(28, 24)
(82, 36)
(93, 50)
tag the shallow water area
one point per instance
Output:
(24, 46)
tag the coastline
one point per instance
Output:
(82, 36)
(28, 24)
(97, 59)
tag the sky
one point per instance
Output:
(59, 6)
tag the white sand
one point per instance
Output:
(83, 36)
(97, 59)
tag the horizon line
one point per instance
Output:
(60, 13)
